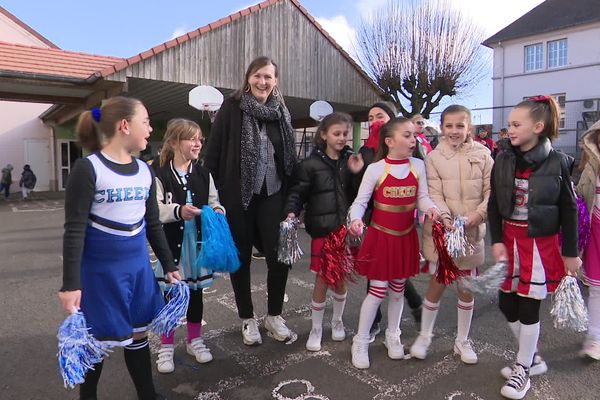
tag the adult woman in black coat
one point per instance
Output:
(251, 155)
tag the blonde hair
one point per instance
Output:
(91, 134)
(178, 129)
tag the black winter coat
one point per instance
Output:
(551, 200)
(326, 187)
(222, 158)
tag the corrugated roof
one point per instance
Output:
(52, 61)
(549, 16)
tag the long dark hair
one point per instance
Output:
(387, 130)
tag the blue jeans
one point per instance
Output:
(6, 188)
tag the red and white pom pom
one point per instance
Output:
(338, 262)
(447, 271)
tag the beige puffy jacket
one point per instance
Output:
(459, 182)
(587, 182)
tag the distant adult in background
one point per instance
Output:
(483, 138)
(27, 182)
(251, 155)
(433, 136)
(503, 141)
(380, 113)
(6, 180)
(423, 146)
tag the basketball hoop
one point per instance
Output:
(206, 99)
(319, 110)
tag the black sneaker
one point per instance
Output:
(258, 256)
(518, 384)
(375, 330)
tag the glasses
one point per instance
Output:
(196, 140)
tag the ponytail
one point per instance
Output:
(99, 125)
(544, 109)
(387, 130)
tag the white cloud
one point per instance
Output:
(340, 29)
(180, 30)
(366, 7)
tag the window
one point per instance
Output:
(561, 99)
(557, 53)
(534, 54)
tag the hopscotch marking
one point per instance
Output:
(307, 395)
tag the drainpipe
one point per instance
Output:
(502, 85)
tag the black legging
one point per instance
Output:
(261, 221)
(519, 308)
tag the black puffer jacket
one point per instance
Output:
(551, 200)
(326, 187)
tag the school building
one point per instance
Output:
(43, 88)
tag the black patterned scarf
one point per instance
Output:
(252, 113)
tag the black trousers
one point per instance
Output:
(261, 221)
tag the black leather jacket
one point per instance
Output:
(326, 187)
(551, 200)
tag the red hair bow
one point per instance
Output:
(543, 99)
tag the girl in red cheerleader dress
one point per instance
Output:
(390, 251)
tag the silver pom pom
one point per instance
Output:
(456, 240)
(489, 281)
(568, 307)
(289, 251)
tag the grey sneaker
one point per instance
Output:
(518, 384)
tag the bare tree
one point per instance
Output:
(419, 51)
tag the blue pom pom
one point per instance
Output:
(171, 315)
(218, 251)
(78, 350)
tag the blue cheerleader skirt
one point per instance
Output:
(119, 294)
(196, 277)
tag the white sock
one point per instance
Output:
(377, 291)
(428, 316)
(339, 302)
(528, 339)
(594, 313)
(395, 304)
(465, 315)
(318, 309)
(515, 328)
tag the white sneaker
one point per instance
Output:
(314, 339)
(591, 348)
(250, 332)
(360, 353)
(394, 345)
(420, 347)
(518, 383)
(538, 367)
(465, 351)
(338, 333)
(198, 349)
(275, 324)
(165, 364)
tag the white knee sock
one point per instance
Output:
(528, 339)
(339, 302)
(377, 291)
(515, 328)
(395, 304)
(428, 316)
(318, 309)
(465, 315)
(594, 313)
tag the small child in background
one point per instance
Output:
(325, 183)
(27, 182)
(589, 188)
(390, 250)
(532, 199)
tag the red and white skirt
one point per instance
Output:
(591, 257)
(535, 265)
(385, 257)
